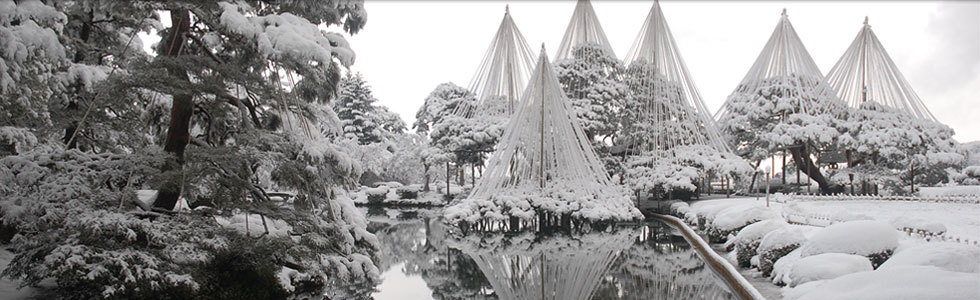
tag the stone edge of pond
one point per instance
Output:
(741, 286)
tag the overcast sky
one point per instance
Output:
(409, 47)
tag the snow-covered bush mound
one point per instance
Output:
(680, 209)
(783, 267)
(777, 244)
(408, 191)
(733, 219)
(706, 213)
(918, 225)
(901, 283)
(827, 266)
(948, 256)
(747, 240)
(376, 195)
(873, 239)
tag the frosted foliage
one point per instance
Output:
(22, 139)
(592, 81)
(889, 133)
(776, 111)
(782, 100)
(505, 68)
(866, 73)
(583, 28)
(30, 54)
(664, 92)
(286, 36)
(544, 163)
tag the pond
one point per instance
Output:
(422, 258)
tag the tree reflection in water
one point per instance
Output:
(631, 262)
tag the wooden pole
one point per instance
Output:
(447, 178)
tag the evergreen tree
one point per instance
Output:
(355, 108)
(235, 96)
(592, 79)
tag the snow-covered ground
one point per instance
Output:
(841, 275)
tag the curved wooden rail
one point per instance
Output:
(738, 284)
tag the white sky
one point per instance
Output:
(407, 48)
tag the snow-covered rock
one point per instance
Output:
(874, 239)
(948, 256)
(827, 266)
(777, 244)
(900, 283)
(747, 240)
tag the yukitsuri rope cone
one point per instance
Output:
(786, 68)
(669, 133)
(583, 28)
(544, 169)
(866, 73)
(500, 78)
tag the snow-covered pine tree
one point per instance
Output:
(896, 151)
(355, 108)
(592, 79)
(237, 100)
(468, 140)
(784, 104)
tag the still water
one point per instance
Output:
(422, 258)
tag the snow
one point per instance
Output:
(948, 256)
(827, 266)
(739, 216)
(781, 238)
(920, 225)
(532, 173)
(280, 36)
(855, 237)
(900, 283)
(783, 267)
(254, 225)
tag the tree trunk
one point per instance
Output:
(425, 172)
(178, 133)
(802, 159)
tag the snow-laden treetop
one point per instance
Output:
(505, 69)
(866, 73)
(656, 49)
(583, 28)
(786, 61)
(544, 163)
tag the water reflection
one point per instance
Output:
(643, 261)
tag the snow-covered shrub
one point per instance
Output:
(680, 209)
(706, 213)
(907, 282)
(408, 191)
(875, 240)
(949, 256)
(748, 239)
(733, 219)
(783, 267)
(376, 195)
(827, 266)
(777, 244)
